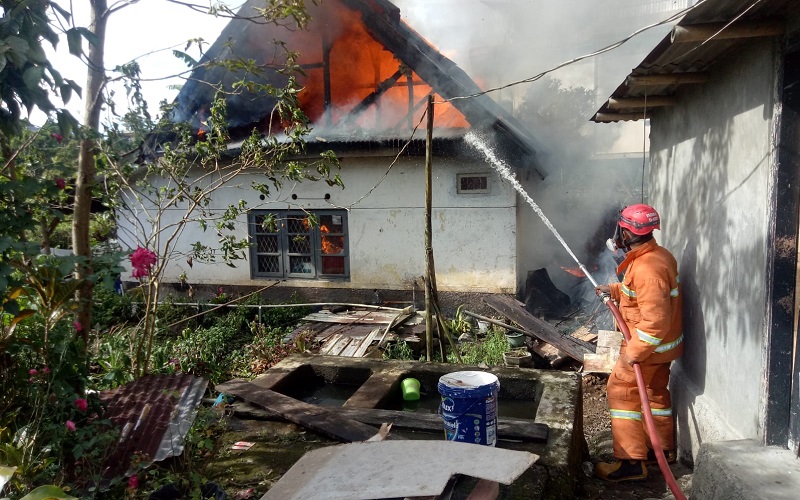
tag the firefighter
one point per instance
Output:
(649, 301)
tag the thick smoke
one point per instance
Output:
(594, 169)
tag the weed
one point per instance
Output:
(489, 350)
(398, 350)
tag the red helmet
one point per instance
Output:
(639, 219)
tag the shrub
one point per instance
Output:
(205, 351)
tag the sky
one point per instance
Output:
(146, 30)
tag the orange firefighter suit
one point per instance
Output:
(650, 303)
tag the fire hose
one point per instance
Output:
(658, 450)
(648, 415)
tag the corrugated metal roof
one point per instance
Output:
(153, 413)
(669, 58)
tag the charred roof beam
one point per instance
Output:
(371, 99)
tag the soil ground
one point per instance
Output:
(597, 429)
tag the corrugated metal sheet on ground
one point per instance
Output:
(153, 413)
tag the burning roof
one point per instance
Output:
(367, 76)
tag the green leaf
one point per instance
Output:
(2, 61)
(47, 492)
(74, 42)
(186, 58)
(75, 87)
(66, 92)
(89, 36)
(18, 45)
(33, 77)
(64, 13)
(36, 54)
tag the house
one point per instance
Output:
(721, 93)
(368, 76)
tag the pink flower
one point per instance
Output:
(133, 482)
(81, 404)
(57, 137)
(78, 326)
(61, 183)
(32, 371)
(220, 291)
(70, 426)
(45, 370)
(142, 260)
(30, 380)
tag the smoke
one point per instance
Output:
(594, 169)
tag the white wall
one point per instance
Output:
(473, 234)
(711, 158)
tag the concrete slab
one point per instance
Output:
(394, 469)
(744, 470)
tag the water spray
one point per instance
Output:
(505, 171)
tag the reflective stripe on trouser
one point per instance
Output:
(627, 423)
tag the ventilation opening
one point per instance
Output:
(473, 183)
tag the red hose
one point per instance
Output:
(648, 415)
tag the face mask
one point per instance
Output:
(617, 242)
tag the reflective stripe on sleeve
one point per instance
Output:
(674, 291)
(627, 291)
(671, 345)
(646, 337)
(626, 414)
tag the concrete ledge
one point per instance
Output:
(744, 470)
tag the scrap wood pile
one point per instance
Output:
(596, 352)
(360, 330)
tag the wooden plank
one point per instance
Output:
(366, 343)
(312, 417)
(340, 346)
(517, 429)
(535, 327)
(584, 334)
(328, 345)
(597, 363)
(351, 347)
(349, 317)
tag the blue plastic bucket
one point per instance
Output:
(469, 407)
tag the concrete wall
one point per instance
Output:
(474, 235)
(711, 162)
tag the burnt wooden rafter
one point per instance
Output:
(413, 108)
(371, 99)
(326, 76)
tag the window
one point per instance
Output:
(289, 244)
(472, 183)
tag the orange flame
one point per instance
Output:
(575, 271)
(358, 65)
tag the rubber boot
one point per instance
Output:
(670, 455)
(621, 470)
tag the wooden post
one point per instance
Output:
(428, 244)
